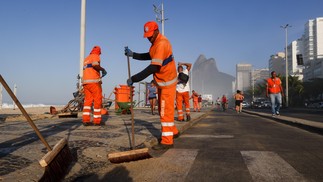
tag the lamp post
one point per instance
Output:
(285, 27)
(160, 12)
(82, 40)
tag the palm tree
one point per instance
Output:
(296, 90)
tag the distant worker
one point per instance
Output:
(275, 92)
(224, 102)
(92, 87)
(195, 97)
(163, 68)
(183, 91)
(152, 96)
(238, 97)
(199, 100)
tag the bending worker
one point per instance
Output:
(92, 87)
(183, 92)
(163, 68)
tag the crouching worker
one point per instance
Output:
(163, 68)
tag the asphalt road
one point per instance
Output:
(242, 147)
(226, 146)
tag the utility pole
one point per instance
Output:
(285, 27)
(14, 92)
(82, 40)
(160, 15)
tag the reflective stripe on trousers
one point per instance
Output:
(93, 95)
(180, 98)
(166, 106)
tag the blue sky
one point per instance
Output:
(40, 40)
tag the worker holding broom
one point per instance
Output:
(163, 68)
(92, 87)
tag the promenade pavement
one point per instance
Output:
(20, 148)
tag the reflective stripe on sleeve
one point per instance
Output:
(92, 81)
(159, 61)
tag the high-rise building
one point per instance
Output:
(313, 49)
(243, 77)
(277, 63)
(260, 75)
(293, 50)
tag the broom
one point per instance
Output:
(58, 159)
(132, 155)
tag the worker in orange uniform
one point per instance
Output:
(163, 68)
(92, 87)
(183, 91)
(195, 97)
(275, 92)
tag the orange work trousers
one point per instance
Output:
(166, 102)
(196, 105)
(93, 96)
(180, 97)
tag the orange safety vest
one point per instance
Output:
(195, 98)
(274, 85)
(90, 75)
(161, 55)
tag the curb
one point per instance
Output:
(305, 124)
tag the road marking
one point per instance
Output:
(269, 166)
(207, 136)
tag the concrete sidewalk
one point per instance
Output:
(306, 124)
(20, 148)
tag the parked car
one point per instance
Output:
(245, 104)
(267, 104)
(258, 104)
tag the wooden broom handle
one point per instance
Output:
(21, 108)
(131, 107)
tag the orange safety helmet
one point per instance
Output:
(149, 28)
(96, 50)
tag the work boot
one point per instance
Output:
(188, 118)
(87, 123)
(176, 135)
(162, 147)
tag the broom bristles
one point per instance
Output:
(58, 167)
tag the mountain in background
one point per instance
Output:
(207, 79)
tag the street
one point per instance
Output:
(226, 146)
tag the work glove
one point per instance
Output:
(129, 82)
(128, 52)
(103, 73)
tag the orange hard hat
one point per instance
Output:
(149, 28)
(96, 50)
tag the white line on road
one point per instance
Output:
(207, 136)
(269, 166)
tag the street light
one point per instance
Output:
(286, 60)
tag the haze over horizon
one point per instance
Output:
(40, 41)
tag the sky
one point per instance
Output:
(40, 40)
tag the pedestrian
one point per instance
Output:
(92, 89)
(238, 97)
(163, 68)
(152, 91)
(218, 103)
(199, 100)
(224, 102)
(183, 91)
(195, 97)
(275, 93)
